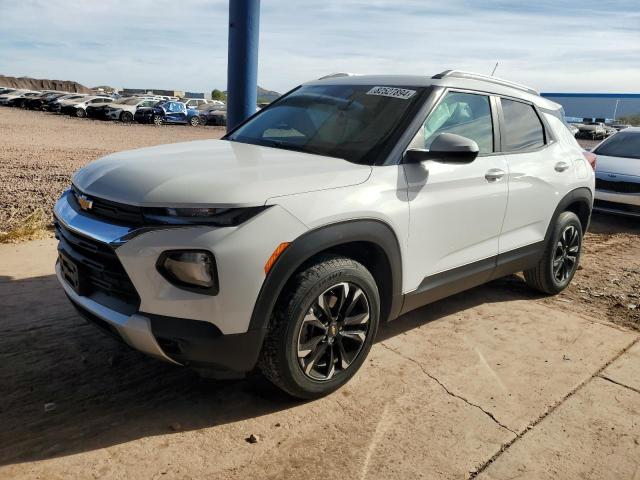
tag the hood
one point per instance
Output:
(212, 172)
(618, 165)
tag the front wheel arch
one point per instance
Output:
(344, 238)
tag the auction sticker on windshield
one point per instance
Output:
(392, 92)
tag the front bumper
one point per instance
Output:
(617, 203)
(135, 329)
(202, 331)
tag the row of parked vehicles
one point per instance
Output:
(153, 109)
(595, 130)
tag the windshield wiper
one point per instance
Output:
(290, 146)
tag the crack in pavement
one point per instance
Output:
(444, 387)
(550, 410)
(609, 379)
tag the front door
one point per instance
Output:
(456, 210)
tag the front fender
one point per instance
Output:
(318, 240)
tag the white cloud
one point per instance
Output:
(572, 46)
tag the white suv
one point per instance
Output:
(348, 201)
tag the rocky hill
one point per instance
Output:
(43, 84)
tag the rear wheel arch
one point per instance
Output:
(578, 201)
(370, 242)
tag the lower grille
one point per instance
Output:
(620, 187)
(102, 275)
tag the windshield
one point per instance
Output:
(353, 122)
(622, 144)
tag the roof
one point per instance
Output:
(467, 81)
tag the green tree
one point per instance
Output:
(218, 95)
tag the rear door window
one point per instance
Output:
(522, 129)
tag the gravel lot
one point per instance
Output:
(40, 151)
(495, 383)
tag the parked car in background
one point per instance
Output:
(38, 103)
(62, 102)
(7, 99)
(618, 173)
(168, 112)
(195, 102)
(573, 129)
(125, 110)
(78, 109)
(19, 101)
(593, 131)
(214, 115)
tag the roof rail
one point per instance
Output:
(484, 78)
(338, 74)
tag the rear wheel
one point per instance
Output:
(322, 328)
(80, 113)
(157, 119)
(194, 121)
(126, 117)
(560, 260)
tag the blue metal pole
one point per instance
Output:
(242, 69)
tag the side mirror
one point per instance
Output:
(445, 148)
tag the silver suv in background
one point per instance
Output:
(345, 203)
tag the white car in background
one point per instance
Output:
(125, 110)
(196, 102)
(5, 98)
(79, 109)
(65, 101)
(618, 173)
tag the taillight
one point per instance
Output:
(591, 158)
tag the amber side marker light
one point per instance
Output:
(274, 256)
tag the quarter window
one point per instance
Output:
(522, 128)
(465, 114)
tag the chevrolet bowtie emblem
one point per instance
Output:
(84, 202)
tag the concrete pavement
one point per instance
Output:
(493, 383)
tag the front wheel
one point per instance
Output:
(157, 119)
(194, 121)
(126, 117)
(560, 260)
(322, 328)
(80, 113)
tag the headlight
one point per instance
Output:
(193, 270)
(221, 217)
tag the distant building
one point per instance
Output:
(596, 106)
(154, 91)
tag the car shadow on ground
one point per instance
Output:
(68, 388)
(603, 224)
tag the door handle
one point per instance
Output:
(561, 166)
(494, 175)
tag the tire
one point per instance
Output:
(157, 119)
(126, 117)
(339, 336)
(194, 121)
(80, 113)
(561, 257)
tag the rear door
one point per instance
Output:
(456, 210)
(539, 174)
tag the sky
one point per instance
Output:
(551, 45)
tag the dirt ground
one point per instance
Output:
(495, 383)
(40, 151)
